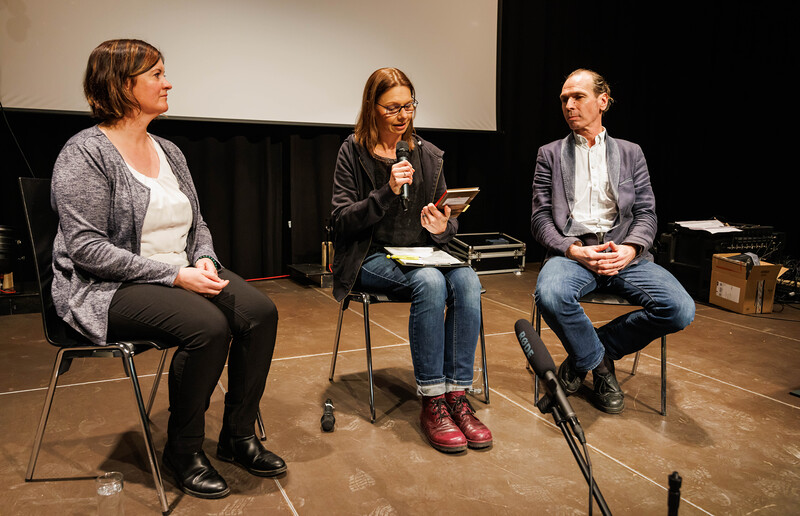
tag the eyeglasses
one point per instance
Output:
(393, 110)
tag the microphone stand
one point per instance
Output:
(563, 424)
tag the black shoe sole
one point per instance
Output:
(448, 449)
(608, 410)
(605, 408)
(479, 446)
(196, 494)
(257, 472)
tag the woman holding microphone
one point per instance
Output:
(369, 214)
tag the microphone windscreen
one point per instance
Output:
(534, 348)
(328, 420)
(402, 151)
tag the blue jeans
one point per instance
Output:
(666, 308)
(444, 323)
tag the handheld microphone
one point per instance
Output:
(327, 420)
(674, 497)
(544, 367)
(403, 153)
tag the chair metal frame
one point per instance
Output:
(605, 298)
(42, 223)
(370, 298)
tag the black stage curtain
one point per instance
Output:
(236, 180)
(311, 166)
(265, 190)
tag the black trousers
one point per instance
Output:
(203, 329)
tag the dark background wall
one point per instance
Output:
(700, 88)
(705, 91)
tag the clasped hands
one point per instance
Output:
(201, 279)
(431, 218)
(605, 259)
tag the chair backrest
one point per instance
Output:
(42, 224)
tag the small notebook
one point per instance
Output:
(422, 256)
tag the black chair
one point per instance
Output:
(370, 298)
(42, 225)
(605, 298)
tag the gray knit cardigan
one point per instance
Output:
(101, 209)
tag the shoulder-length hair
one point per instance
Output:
(109, 76)
(381, 80)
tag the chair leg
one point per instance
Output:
(365, 302)
(336, 340)
(483, 357)
(664, 375)
(127, 361)
(635, 363)
(533, 307)
(536, 319)
(262, 433)
(48, 403)
(156, 382)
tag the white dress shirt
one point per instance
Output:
(595, 206)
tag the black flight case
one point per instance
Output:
(489, 253)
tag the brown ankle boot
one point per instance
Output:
(478, 436)
(438, 426)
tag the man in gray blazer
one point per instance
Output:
(594, 212)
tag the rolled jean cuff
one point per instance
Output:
(597, 363)
(439, 388)
(434, 388)
(458, 386)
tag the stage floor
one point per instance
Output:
(732, 429)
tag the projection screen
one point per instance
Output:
(291, 61)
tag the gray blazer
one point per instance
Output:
(552, 224)
(101, 209)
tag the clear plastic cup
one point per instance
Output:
(477, 380)
(109, 494)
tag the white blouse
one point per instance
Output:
(169, 215)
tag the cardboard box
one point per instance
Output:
(735, 288)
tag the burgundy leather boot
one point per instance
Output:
(438, 426)
(478, 436)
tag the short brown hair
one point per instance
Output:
(381, 80)
(599, 84)
(111, 66)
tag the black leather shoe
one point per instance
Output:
(608, 395)
(249, 453)
(571, 380)
(195, 475)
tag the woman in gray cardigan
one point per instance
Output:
(133, 259)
